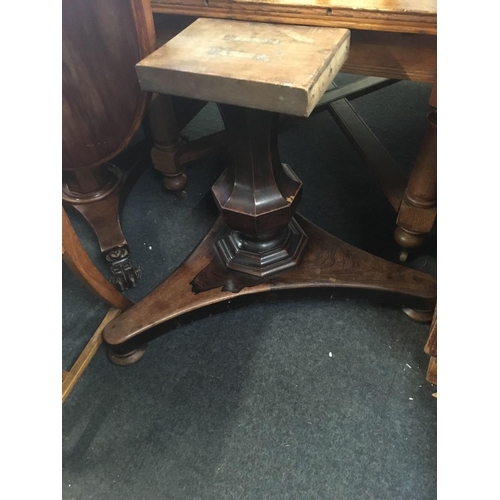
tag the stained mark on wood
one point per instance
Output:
(251, 39)
(217, 51)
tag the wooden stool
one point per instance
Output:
(254, 71)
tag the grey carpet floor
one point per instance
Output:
(301, 399)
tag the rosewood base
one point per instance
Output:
(328, 264)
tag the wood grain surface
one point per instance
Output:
(258, 65)
(328, 263)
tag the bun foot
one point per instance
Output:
(175, 183)
(408, 239)
(418, 315)
(128, 358)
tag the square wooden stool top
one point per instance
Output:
(266, 66)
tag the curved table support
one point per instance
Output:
(328, 263)
(100, 203)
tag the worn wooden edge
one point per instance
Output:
(313, 16)
(71, 378)
(80, 264)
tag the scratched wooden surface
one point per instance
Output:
(389, 6)
(396, 16)
(258, 65)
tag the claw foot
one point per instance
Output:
(123, 274)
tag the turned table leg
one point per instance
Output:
(417, 212)
(167, 148)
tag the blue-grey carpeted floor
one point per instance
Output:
(303, 399)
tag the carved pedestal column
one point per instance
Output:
(257, 196)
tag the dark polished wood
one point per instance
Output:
(167, 143)
(102, 102)
(80, 264)
(171, 153)
(103, 107)
(257, 196)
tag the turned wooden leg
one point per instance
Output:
(96, 193)
(417, 212)
(167, 148)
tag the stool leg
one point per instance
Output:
(417, 211)
(167, 144)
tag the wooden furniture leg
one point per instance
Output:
(417, 212)
(167, 143)
(171, 153)
(102, 109)
(97, 193)
(77, 259)
(80, 264)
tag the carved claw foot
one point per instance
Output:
(123, 274)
